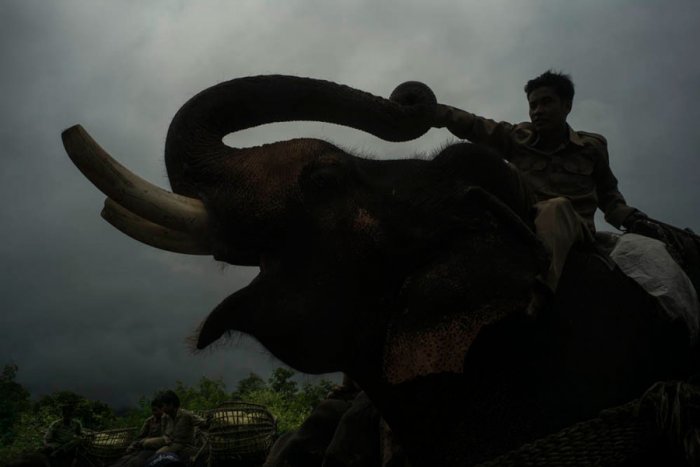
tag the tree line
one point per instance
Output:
(23, 421)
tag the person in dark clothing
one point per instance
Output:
(566, 173)
(64, 437)
(151, 437)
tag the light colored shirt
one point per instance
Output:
(181, 433)
(578, 170)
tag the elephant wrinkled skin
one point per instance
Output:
(408, 275)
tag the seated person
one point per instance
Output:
(180, 434)
(565, 173)
(150, 438)
(63, 437)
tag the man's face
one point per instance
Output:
(67, 413)
(157, 412)
(547, 111)
(169, 409)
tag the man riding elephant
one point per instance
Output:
(566, 173)
(409, 275)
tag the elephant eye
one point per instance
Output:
(323, 179)
(326, 178)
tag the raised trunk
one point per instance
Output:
(194, 142)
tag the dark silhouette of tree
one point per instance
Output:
(14, 399)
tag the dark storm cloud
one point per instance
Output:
(83, 308)
(88, 309)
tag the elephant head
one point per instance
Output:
(384, 269)
(343, 243)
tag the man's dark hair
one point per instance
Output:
(560, 82)
(157, 401)
(169, 397)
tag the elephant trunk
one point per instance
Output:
(201, 167)
(194, 142)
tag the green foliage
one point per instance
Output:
(206, 395)
(94, 415)
(32, 419)
(247, 385)
(289, 416)
(282, 397)
(134, 416)
(312, 394)
(23, 422)
(14, 399)
(29, 432)
(281, 382)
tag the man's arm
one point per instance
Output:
(200, 422)
(144, 430)
(49, 437)
(465, 125)
(610, 200)
(141, 436)
(154, 443)
(181, 433)
(166, 428)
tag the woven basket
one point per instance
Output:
(240, 431)
(109, 444)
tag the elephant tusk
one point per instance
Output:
(153, 234)
(139, 196)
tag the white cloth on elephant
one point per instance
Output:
(648, 263)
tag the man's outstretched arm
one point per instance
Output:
(466, 125)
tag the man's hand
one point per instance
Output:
(208, 420)
(456, 120)
(641, 224)
(443, 116)
(138, 444)
(632, 222)
(64, 448)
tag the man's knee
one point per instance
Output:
(555, 205)
(557, 222)
(557, 214)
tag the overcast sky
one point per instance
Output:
(87, 309)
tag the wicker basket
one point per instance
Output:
(109, 444)
(240, 431)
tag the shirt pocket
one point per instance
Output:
(577, 175)
(535, 172)
(579, 166)
(531, 165)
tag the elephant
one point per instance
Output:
(337, 433)
(410, 275)
(356, 441)
(307, 445)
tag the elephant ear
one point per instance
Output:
(484, 277)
